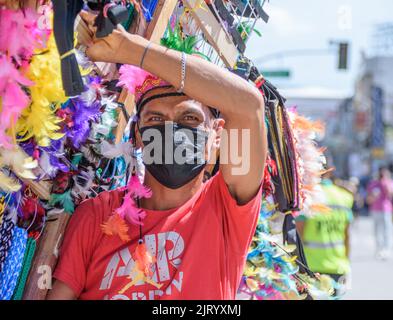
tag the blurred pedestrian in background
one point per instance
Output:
(379, 199)
(326, 235)
(353, 186)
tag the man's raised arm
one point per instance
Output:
(239, 102)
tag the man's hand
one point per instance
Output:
(106, 49)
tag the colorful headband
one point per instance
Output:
(139, 82)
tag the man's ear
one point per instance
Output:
(213, 152)
(218, 127)
(137, 136)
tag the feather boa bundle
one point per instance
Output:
(52, 157)
(20, 34)
(19, 37)
(13, 99)
(39, 120)
(311, 161)
(17, 161)
(20, 164)
(82, 116)
(108, 119)
(123, 149)
(90, 114)
(8, 184)
(82, 190)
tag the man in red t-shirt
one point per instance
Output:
(199, 232)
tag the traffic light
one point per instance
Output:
(343, 56)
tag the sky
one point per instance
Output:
(310, 25)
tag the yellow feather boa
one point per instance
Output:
(39, 121)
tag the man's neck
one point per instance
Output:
(164, 198)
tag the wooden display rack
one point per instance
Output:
(47, 249)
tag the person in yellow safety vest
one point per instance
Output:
(326, 235)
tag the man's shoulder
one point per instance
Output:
(102, 205)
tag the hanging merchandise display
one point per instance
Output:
(26, 266)
(276, 265)
(13, 263)
(67, 130)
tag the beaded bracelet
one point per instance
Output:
(183, 72)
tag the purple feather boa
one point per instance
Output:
(82, 116)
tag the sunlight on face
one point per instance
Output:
(181, 110)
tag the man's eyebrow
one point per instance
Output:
(151, 113)
(192, 111)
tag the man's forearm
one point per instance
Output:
(241, 105)
(204, 82)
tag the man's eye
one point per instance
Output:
(190, 118)
(155, 119)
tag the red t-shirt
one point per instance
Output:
(200, 248)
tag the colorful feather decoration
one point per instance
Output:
(131, 77)
(136, 189)
(82, 116)
(144, 259)
(23, 26)
(14, 54)
(83, 190)
(115, 225)
(246, 28)
(13, 99)
(64, 200)
(142, 270)
(311, 161)
(48, 169)
(271, 270)
(39, 120)
(267, 274)
(174, 39)
(17, 161)
(128, 211)
(108, 121)
(8, 184)
(112, 151)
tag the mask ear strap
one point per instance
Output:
(132, 136)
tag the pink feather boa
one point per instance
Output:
(13, 98)
(129, 210)
(20, 35)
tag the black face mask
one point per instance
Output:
(173, 154)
